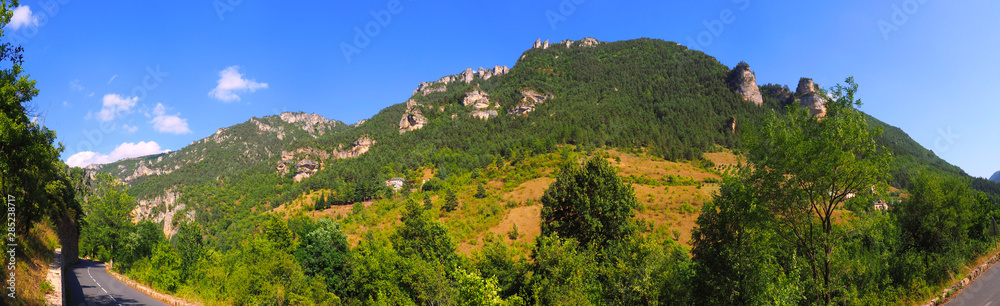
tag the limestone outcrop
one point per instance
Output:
(809, 97)
(307, 161)
(305, 168)
(745, 83)
(585, 42)
(589, 42)
(483, 114)
(311, 123)
(529, 99)
(427, 88)
(467, 76)
(161, 209)
(412, 119)
(480, 102)
(477, 99)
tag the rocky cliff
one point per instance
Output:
(744, 82)
(529, 99)
(412, 119)
(809, 96)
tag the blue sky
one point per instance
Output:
(120, 78)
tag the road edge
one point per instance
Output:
(55, 278)
(951, 292)
(162, 297)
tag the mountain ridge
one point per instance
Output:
(642, 95)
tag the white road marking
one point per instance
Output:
(102, 287)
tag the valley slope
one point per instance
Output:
(654, 105)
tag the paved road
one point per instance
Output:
(985, 291)
(89, 284)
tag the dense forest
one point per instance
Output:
(650, 96)
(40, 201)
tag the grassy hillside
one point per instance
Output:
(670, 195)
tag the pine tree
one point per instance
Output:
(480, 191)
(451, 202)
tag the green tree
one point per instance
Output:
(804, 169)
(276, 230)
(737, 255)
(422, 237)
(935, 221)
(324, 251)
(30, 170)
(108, 220)
(450, 201)
(590, 204)
(563, 273)
(189, 245)
(140, 243)
(480, 191)
(167, 266)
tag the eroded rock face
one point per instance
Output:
(810, 97)
(427, 88)
(483, 114)
(305, 168)
(412, 118)
(311, 123)
(745, 82)
(467, 76)
(545, 45)
(529, 98)
(477, 99)
(538, 43)
(499, 70)
(589, 42)
(162, 209)
(307, 161)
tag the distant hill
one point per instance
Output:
(642, 96)
(996, 177)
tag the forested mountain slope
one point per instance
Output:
(650, 95)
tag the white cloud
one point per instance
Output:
(75, 85)
(22, 17)
(231, 81)
(114, 106)
(164, 123)
(129, 129)
(125, 150)
(112, 78)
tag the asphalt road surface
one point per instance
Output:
(985, 291)
(89, 284)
